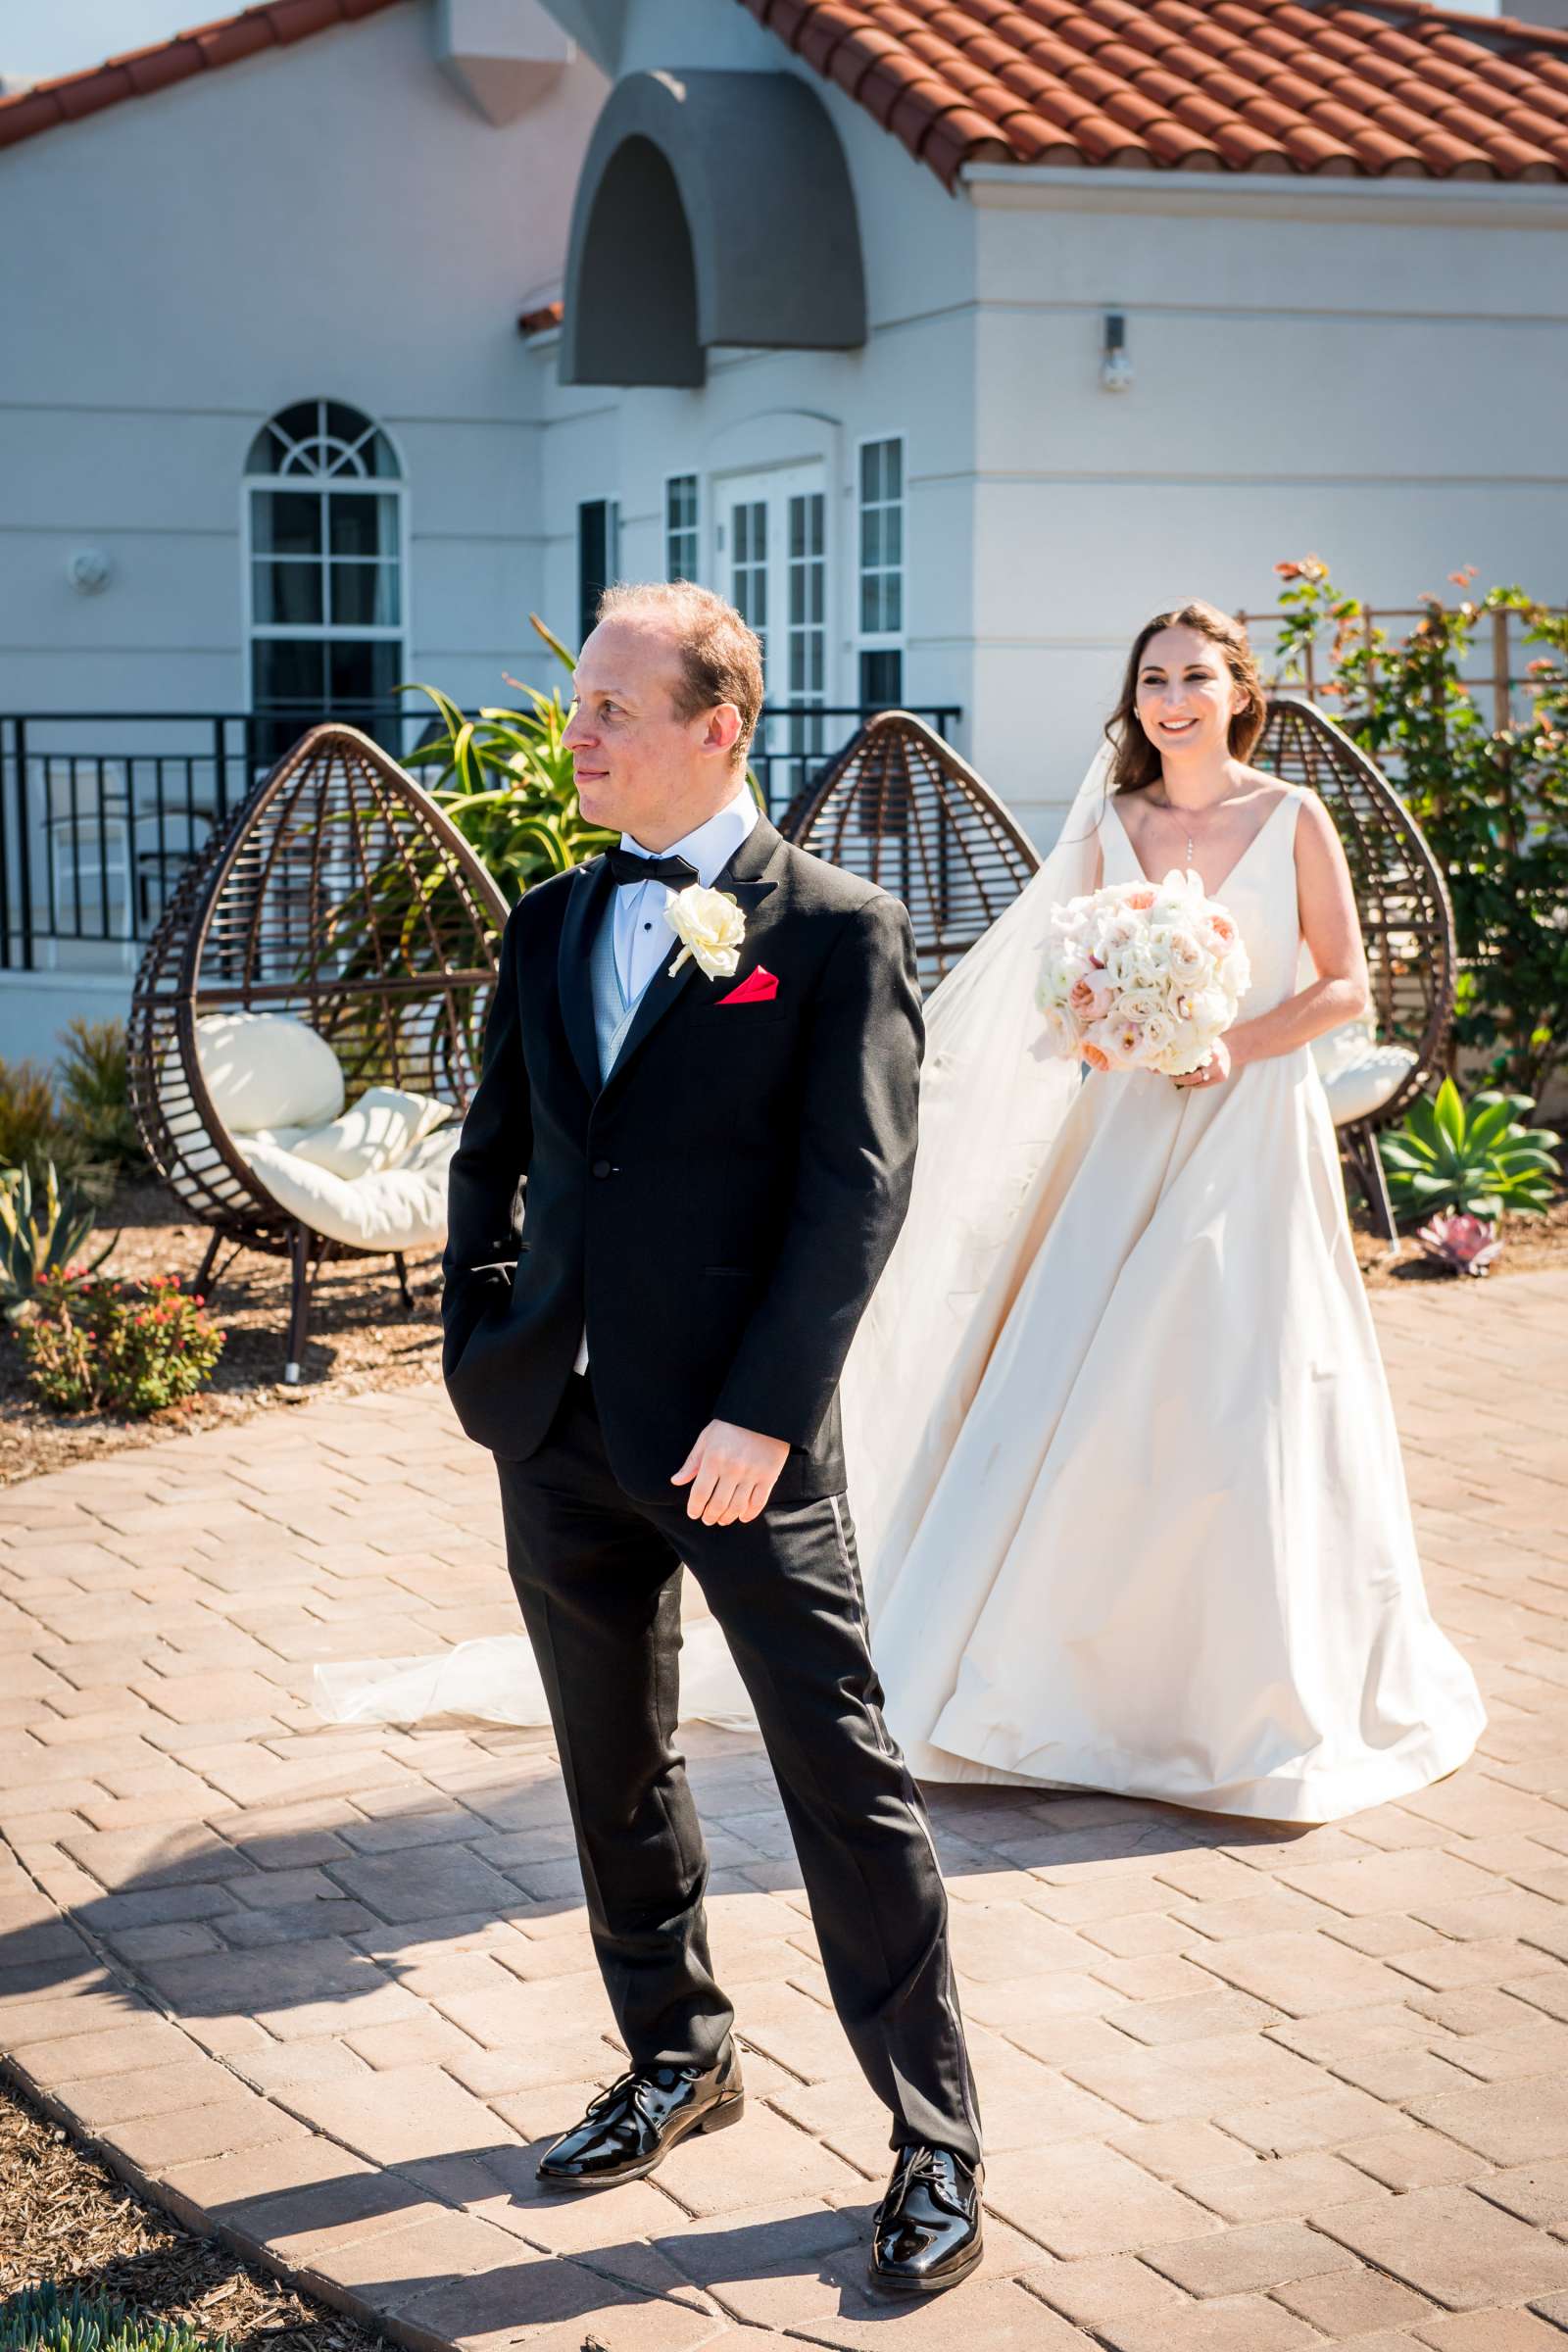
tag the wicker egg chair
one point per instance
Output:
(337, 894)
(1406, 920)
(901, 807)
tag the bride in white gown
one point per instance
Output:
(1125, 1470)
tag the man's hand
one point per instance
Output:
(731, 1473)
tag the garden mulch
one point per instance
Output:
(362, 1337)
(66, 2221)
(1530, 1245)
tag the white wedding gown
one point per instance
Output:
(1128, 1482)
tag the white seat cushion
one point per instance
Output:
(391, 1209)
(266, 1069)
(378, 1131)
(1358, 1074)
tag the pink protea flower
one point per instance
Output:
(1464, 1244)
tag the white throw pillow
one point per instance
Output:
(378, 1131)
(1358, 1074)
(392, 1209)
(266, 1069)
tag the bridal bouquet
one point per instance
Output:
(1140, 976)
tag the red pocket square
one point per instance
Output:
(757, 987)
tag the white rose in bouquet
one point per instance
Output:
(1189, 961)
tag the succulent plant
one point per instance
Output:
(1465, 1244)
(1479, 1161)
(40, 1238)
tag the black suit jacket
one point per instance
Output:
(719, 1212)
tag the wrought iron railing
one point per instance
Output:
(100, 811)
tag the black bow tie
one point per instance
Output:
(627, 867)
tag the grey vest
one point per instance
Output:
(613, 1015)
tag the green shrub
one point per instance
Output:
(38, 2319)
(95, 1095)
(30, 1130)
(41, 1230)
(1492, 800)
(118, 1347)
(1479, 1161)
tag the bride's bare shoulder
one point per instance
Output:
(1268, 789)
(1317, 844)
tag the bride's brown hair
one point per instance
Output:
(1137, 761)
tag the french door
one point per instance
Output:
(771, 559)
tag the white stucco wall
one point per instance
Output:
(760, 409)
(330, 219)
(1371, 371)
(1372, 374)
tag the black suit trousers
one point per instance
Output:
(599, 1576)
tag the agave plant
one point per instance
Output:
(1479, 1161)
(39, 2318)
(1464, 1245)
(95, 1094)
(40, 1238)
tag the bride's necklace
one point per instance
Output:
(1170, 807)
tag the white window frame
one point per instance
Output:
(786, 749)
(399, 633)
(881, 641)
(692, 530)
(774, 484)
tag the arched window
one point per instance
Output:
(325, 521)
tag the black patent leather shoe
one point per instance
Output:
(929, 2234)
(631, 2127)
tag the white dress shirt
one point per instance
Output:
(642, 934)
(642, 937)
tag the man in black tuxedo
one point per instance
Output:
(714, 1153)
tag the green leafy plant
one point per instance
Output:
(1492, 800)
(118, 1347)
(505, 781)
(41, 1230)
(38, 2319)
(30, 1129)
(1478, 1160)
(95, 1094)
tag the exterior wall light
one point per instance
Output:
(1116, 361)
(88, 570)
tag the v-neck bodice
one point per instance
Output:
(1259, 893)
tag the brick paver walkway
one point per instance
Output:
(1248, 2089)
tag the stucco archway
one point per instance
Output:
(714, 208)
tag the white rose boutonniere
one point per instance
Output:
(711, 928)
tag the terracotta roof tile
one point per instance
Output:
(541, 320)
(1307, 85)
(142, 73)
(1347, 86)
